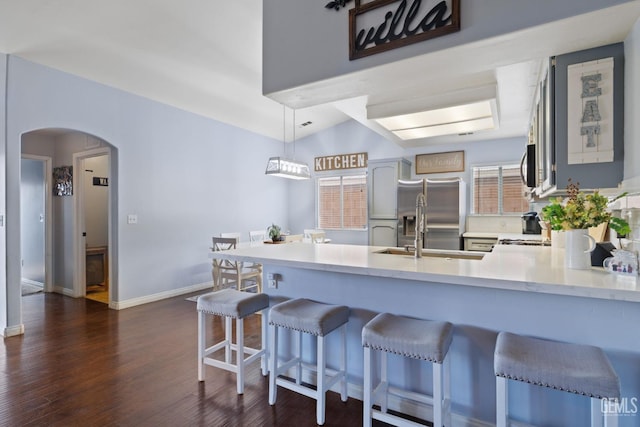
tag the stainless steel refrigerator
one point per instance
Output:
(445, 212)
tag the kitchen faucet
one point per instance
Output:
(421, 203)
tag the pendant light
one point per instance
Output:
(287, 168)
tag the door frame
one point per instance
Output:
(79, 253)
(48, 218)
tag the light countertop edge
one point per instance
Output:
(516, 268)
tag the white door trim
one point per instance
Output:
(79, 254)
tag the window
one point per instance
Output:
(342, 202)
(498, 190)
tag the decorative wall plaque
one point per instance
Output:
(340, 161)
(452, 161)
(590, 112)
(380, 25)
(63, 181)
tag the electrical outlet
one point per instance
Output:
(132, 219)
(272, 280)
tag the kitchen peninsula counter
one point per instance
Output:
(518, 268)
(520, 289)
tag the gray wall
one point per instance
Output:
(632, 104)
(5, 292)
(305, 43)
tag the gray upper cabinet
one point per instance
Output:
(383, 186)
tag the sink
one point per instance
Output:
(435, 253)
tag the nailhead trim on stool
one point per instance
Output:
(231, 304)
(427, 340)
(315, 318)
(574, 368)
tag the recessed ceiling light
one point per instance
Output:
(462, 112)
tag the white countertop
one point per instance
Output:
(519, 268)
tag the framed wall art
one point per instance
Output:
(63, 181)
(451, 161)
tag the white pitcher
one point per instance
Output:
(578, 247)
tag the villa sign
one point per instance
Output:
(380, 25)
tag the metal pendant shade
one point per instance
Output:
(288, 168)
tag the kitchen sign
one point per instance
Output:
(452, 161)
(340, 161)
(380, 25)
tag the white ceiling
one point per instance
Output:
(205, 57)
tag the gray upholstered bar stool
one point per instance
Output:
(315, 318)
(416, 338)
(574, 368)
(231, 304)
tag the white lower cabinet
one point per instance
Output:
(383, 233)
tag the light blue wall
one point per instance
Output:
(187, 177)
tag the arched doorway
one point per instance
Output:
(81, 222)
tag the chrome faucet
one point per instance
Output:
(421, 203)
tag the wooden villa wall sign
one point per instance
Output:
(380, 25)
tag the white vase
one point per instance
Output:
(578, 247)
(557, 239)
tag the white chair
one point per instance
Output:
(291, 238)
(227, 272)
(314, 236)
(257, 237)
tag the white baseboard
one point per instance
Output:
(12, 331)
(31, 282)
(64, 291)
(120, 305)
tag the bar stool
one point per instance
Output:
(415, 338)
(231, 304)
(579, 369)
(303, 315)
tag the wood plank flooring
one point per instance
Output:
(81, 364)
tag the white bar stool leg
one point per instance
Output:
(343, 364)
(368, 379)
(383, 381)
(321, 390)
(228, 338)
(297, 336)
(273, 363)
(437, 394)
(202, 326)
(502, 402)
(264, 318)
(240, 355)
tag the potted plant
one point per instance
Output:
(575, 215)
(274, 232)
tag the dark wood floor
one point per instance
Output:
(81, 364)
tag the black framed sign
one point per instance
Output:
(380, 25)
